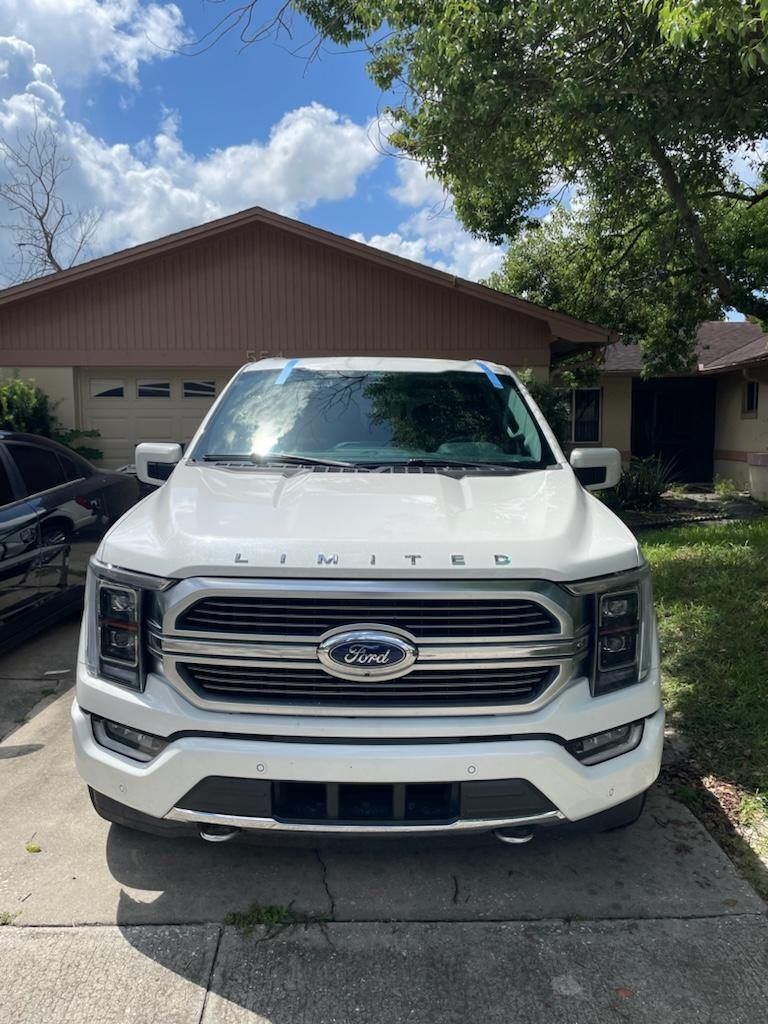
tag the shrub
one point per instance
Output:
(26, 409)
(725, 488)
(71, 439)
(642, 484)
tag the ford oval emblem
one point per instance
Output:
(363, 654)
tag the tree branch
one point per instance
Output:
(732, 295)
(48, 235)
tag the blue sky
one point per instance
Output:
(160, 140)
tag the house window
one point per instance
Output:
(749, 398)
(199, 388)
(153, 389)
(107, 389)
(585, 415)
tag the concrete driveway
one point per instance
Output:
(649, 924)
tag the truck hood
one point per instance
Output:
(218, 521)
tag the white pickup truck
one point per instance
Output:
(372, 598)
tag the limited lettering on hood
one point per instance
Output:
(410, 559)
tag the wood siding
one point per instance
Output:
(259, 291)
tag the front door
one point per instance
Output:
(674, 417)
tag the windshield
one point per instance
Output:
(375, 418)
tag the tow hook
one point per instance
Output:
(514, 836)
(217, 833)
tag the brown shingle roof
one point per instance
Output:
(720, 345)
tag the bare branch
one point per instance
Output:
(48, 236)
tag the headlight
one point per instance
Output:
(624, 628)
(114, 613)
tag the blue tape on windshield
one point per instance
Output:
(285, 373)
(489, 374)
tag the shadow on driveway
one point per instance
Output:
(39, 670)
(355, 903)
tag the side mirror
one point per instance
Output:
(155, 462)
(596, 468)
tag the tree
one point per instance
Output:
(47, 234)
(626, 278)
(510, 103)
(741, 22)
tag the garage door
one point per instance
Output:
(130, 406)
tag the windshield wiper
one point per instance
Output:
(451, 464)
(278, 459)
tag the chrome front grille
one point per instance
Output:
(423, 687)
(483, 646)
(425, 618)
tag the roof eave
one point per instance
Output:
(742, 364)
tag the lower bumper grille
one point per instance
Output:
(356, 803)
(424, 687)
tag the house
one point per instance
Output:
(712, 421)
(138, 344)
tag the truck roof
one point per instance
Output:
(394, 364)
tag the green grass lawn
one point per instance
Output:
(711, 589)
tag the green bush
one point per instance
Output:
(71, 439)
(26, 409)
(725, 488)
(642, 484)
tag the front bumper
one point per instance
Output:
(157, 788)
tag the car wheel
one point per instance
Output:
(55, 534)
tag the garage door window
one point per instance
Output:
(107, 389)
(199, 388)
(40, 469)
(153, 389)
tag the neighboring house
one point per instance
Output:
(712, 421)
(138, 344)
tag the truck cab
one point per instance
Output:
(372, 597)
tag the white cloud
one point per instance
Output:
(78, 38)
(415, 188)
(441, 242)
(312, 154)
(432, 234)
(394, 242)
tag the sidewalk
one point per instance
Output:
(644, 972)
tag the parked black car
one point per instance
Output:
(54, 508)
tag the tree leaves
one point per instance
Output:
(648, 107)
